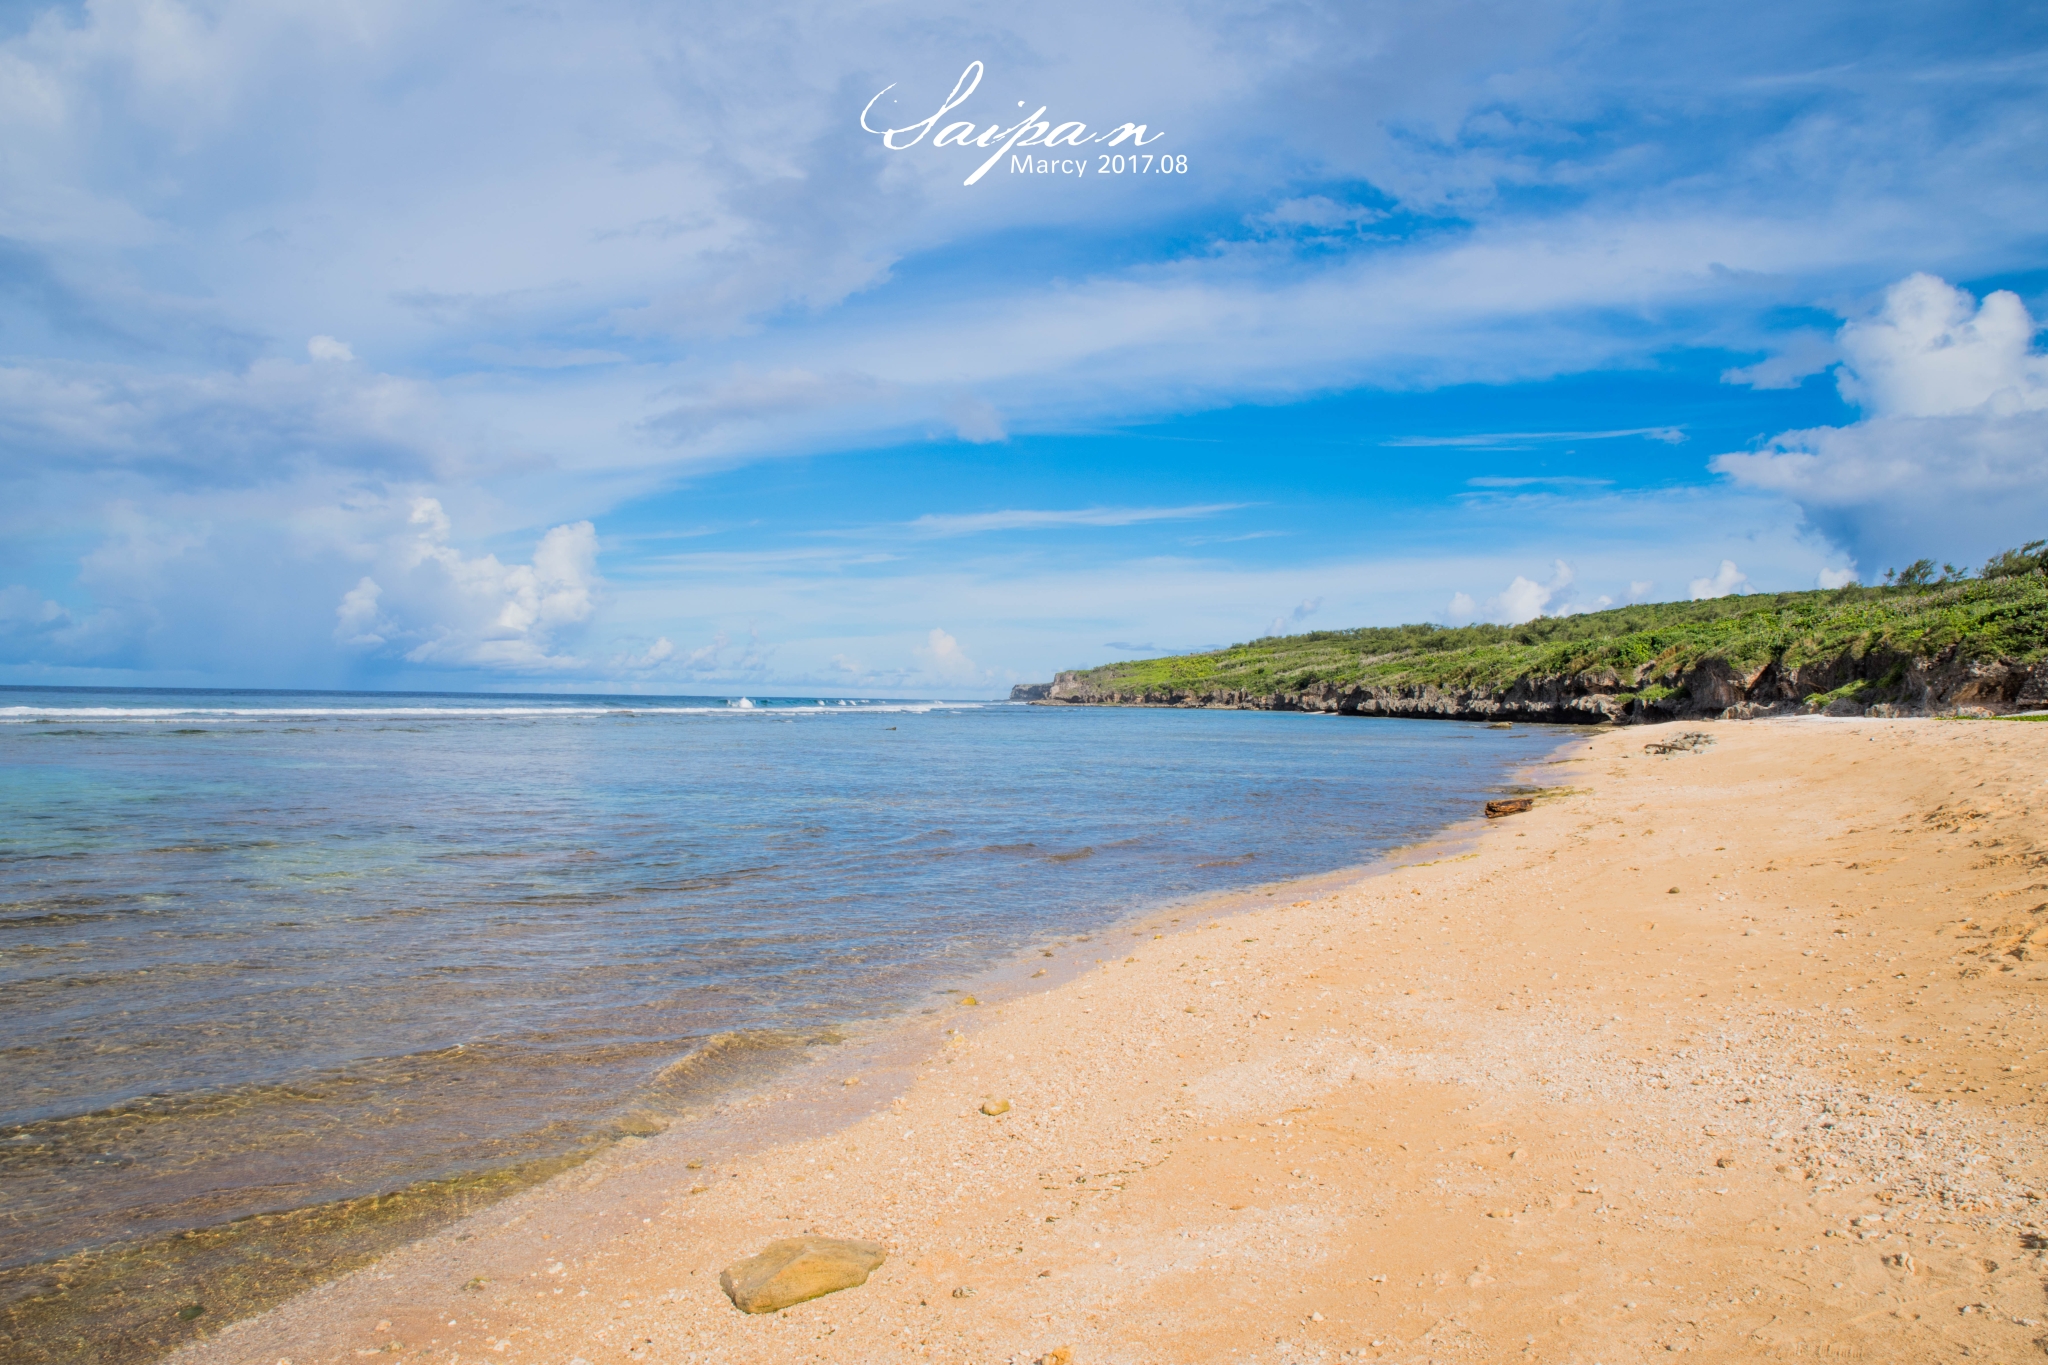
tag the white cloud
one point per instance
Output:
(1639, 589)
(358, 616)
(269, 422)
(1933, 351)
(1523, 600)
(649, 658)
(977, 421)
(1727, 579)
(1834, 578)
(1316, 213)
(1800, 354)
(940, 524)
(1578, 608)
(327, 348)
(1952, 461)
(944, 660)
(1462, 609)
(438, 607)
(1307, 607)
(1508, 440)
(751, 399)
(1537, 481)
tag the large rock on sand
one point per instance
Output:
(794, 1269)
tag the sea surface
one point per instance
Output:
(276, 956)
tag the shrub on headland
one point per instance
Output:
(2001, 614)
(2031, 557)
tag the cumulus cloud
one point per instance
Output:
(1952, 459)
(1834, 578)
(1307, 607)
(357, 618)
(945, 661)
(1725, 580)
(1524, 600)
(433, 605)
(327, 348)
(1934, 351)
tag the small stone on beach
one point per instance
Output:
(995, 1107)
(793, 1270)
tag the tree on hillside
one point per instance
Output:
(1917, 574)
(2011, 563)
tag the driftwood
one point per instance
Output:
(1512, 806)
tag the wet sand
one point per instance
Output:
(1731, 1052)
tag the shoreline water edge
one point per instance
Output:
(1725, 1049)
(100, 1302)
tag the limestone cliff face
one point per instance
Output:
(1878, 685)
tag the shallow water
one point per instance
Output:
(264, 952)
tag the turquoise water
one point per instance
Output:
(264, 950)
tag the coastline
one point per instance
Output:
(1521, 1099)
(139, 1214)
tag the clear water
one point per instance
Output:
(260, 951)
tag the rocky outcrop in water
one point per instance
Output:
(1876, 684)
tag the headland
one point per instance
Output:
(1966, 646)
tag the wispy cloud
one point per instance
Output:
(1524, 480)
(934, 525)
(1522, 440)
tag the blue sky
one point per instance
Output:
(457, 346)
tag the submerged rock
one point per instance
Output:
(792, 1270)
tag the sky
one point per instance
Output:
(665, 349)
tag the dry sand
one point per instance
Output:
(1734, 1052)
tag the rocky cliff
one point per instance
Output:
(1876, 684)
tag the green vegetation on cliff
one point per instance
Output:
(1987, 618)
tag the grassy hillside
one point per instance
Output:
(1980, 618)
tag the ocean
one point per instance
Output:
(287, 975)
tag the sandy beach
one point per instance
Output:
(1733, 1052)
